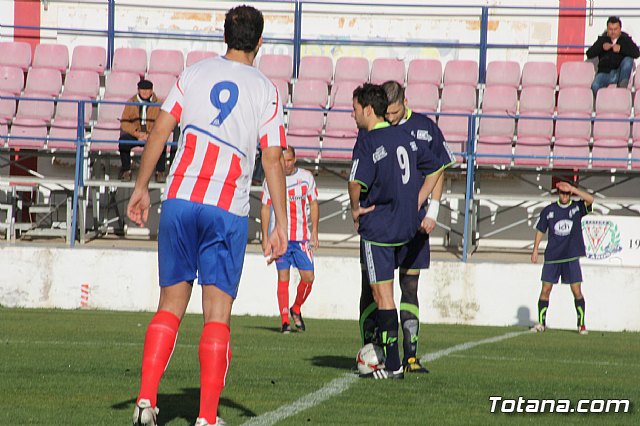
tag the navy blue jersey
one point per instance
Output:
(390, 166)
(563, 221)
(423, 129)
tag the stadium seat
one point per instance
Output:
(43, 81)
(130, 59)
(104, 140)
(121, 85)
(15, 54)
(162, 84)
(536, 73)
(387, 69)
(28, 133)
(636, 124)
(198, 55)
(4, 132)
(276, 66)
(11, 80)
(534, 136)
(422, 97)
(456, 99)
(283, 89)
(67, 112)
(576, 74)
(426, 71)
(54, 56)
(82, 83)
(164, 61)
(461, 72)
(316, 68)
(339, 135)
(89, 58)
(62, 138)
(305, 126)
(109, 115)
(342, 94)
(636, 82)
(503, 73)
(496, 134)
(40, 109)
(310, 92)
(572, 136)
(611, 138)
(7, 109)
(349, 68)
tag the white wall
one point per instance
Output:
(450, 292)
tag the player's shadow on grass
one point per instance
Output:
(184, 406)
(333, 361)
(263, 327)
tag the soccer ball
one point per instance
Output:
(369, 358)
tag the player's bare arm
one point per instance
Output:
(428, 185)
(354, 198)
(276, 242)
(265, 217)
(314, 211)
(138, 207)
(536, 244)
(429, 222)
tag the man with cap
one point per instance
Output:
(135, 125)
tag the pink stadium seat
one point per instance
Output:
(422, 97)
(109, 115)
(310, 92)
(462, 72)
(82, 83)
(54, 56)
(539, 74)
(104, 140)
(496, 134)
(4, 132)
(316, 68)
(342, 94)
(387, 69)
(62, 138)
(611, 139)
(7, 109)
(162, 84)
(15, 54)
(11, 80)
(34, 130)
(350, 68)
(305, 126)
(339, 135)
(534, 136)
(43, 81)
(283, 90)
(636, 82)
(503, 73)
(576, 74)
(36, 109)
(636, 114)
(198, 55)
(89, 58)
(456, 99)
(121, 85)
(130, 59)
(276, 66)
(164, 61)
(426, 71)
(67, 112)
(572, 136)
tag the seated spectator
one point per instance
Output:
(135, 125)
(615, 51)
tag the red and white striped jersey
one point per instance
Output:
(224, 109)
(301, 190)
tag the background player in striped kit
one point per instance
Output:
(224, 106)
(302, 193)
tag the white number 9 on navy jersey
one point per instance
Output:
(403, 161)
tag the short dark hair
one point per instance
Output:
(290, 149)
(394, 91)
(243, 27)
(372, 95)
(614, 20)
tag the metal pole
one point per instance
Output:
(471, 159)
(484, 29)
(111, 30)
(78, 181)
(297, 37)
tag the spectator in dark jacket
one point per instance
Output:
(615, 51)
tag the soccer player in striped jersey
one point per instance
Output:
(225, 106)
(387, 187)
(302, 195)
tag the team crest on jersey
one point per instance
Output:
(379, 154)
(602, 237)
(424, 135)
(563, 227)
(550, 216)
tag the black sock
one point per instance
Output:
(543, 305)
(368, 309)
(388, 322)
(409, 315)
(580, 310)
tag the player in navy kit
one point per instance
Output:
(387, 186)
(565, 246)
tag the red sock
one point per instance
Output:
(159, 342)
(283, 300)
(304, 288)
(215, 356)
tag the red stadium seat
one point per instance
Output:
(164, 61)
(350, 68)
(425, 71)
(130, 59)
(89, 58)
(539, 74)
(11, 80)
(276, 66)
(82, 83)
(503, 73)
(461, 72)
(387, 69)
(54, 56)
(576, 74)
(316, 68)
(15, 54)
(45, 81)
(198, 55)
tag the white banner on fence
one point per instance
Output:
(611, 240)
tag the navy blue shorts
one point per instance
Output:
(569, 272)
(416, 254)
(201, 241)
(378, 261)
(297, 255)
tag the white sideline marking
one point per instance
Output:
(541, 360)
(343, 382)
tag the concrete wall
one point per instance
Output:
(450, 292)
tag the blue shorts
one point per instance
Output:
(378, 261)
(416, 254)
(297, 255)
(201, 241)
(569, 271)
